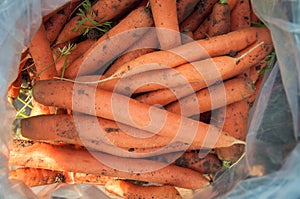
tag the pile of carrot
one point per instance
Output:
(129, 93)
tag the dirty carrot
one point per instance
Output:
(220, 19)
(130, 190)
(203, 9)
(202, 31)
(38, 177)
(100, 12)
(165, 20)
(232, 3)
(111, 44)
(89, 100)
(213, 97)
(64, 158)
(185, 8)
(240, 15)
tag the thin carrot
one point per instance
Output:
(38, 177)
(203, 8)
(165, 20)
(126, 33)
(202, 31)
(220, 19)
(56, 22)
(64, 158)
(161, 122)
(201, 49)
(130, 190)
(240, 15)
(100, 12)
(213, 97)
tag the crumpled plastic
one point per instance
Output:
(271, 166)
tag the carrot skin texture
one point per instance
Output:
(220, 20)
(240, 15)
(105, 106)
(202, 31)
(133, 191)
(63, 158)
(185, 8)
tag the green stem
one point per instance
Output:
(223, 1)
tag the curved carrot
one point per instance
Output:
(240, 15)
(129, 190)
(202, 10)
(65, 158)
(100, 12)
(165, 20)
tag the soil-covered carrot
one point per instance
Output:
(201, 49)
(203, 8)
(111, 44)
(64, 158)
(240, 15)
(41, 53)
(202, 31)
(185, 8)
(89, 100)
(220, 19)
(213, 97)
(56, 22)
(165, 20)
(38, 177)
(130, 190)
(100, 12)
(232, 3)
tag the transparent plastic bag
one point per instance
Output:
(271, 166)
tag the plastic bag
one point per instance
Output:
(272, 163)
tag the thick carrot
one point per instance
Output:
(41, 53)
(213, 97)
(38, 177)
(166, 23)
(240, 15)
(185, 8)
(201, 49)
(111, 44)
(79, 50)
(204, 7)
(101, 11)
(220, 19)
(88, 100)
(207, 165)
(130, 190)
(202, 31)
(148, 43)
(56, 22)
(64, 158)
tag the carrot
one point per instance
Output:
(67, 60)
(130, 190)
(213, 97)
(258, 85)
(166, 23)
(74, 96)
(41, 53)
(253, 17)
(206, 165)
(203, 9)
(202, 31)
(38, 177)
(240, 15)
(64, 158)
(185, 8)
(106, 48)
(220, 19)
(148, 43)
(232, 3)
(100, 12)
(56, 22)
(189, 52)
(233, 118)
(187, 36)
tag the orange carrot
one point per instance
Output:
(111, 106)
(213, 97)
(201, 49)
(56, 22)
(165, 20)
(130, 190)
(101, 11)
(253, 17)
(220, 19)
(232, 3)
(202, 10)
(64, 158)
(108, 46)
(202, 31)
(240, 15)
(37, 177)
(185, 8)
